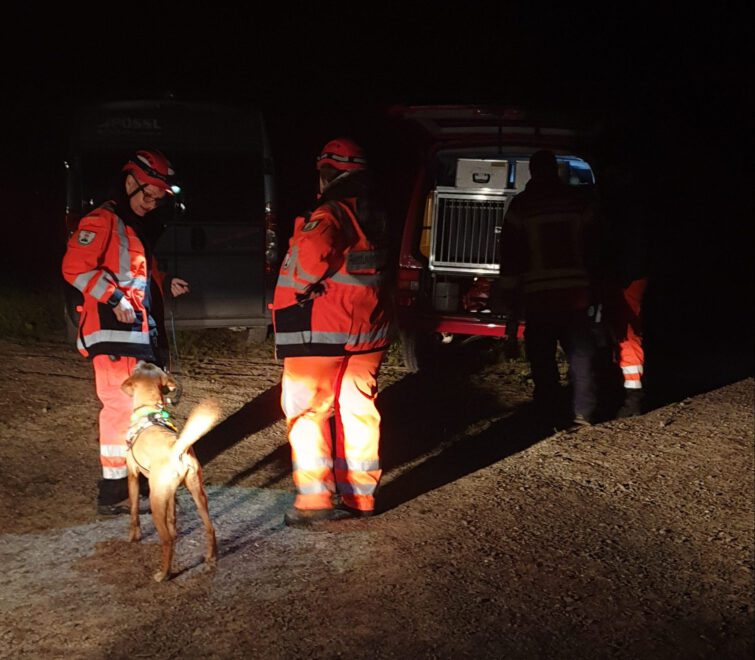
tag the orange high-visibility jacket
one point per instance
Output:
(549, 250)
(106, 261)
(329, 299)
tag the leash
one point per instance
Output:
(177, 370)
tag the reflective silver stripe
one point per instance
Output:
(376, 334)
(296, 267)
(306, 336)
(314, 488)
(634, 369)
(632, 385)
(136, 283)
(357, 466)
(124, 259)
(114, 473)
(122, 336)
(82, 280)
(358, 280)
(289, 338)
(314, 463)
(113, 450)
(356, 489)
(290, 282)
(98, 290)
(304, 275)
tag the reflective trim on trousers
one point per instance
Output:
(313, 463)
(113, 451)
(356, 466)
(114, 473)
(634, 369)
(347, 488)
(313, 488)
(632, 385)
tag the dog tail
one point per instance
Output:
(200, 421)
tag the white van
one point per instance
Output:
(220, 231)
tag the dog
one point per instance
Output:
(165, 458)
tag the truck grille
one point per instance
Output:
(465, 231)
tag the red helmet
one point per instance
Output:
(342, 154)
(151, 168)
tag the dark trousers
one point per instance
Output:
(573, 330)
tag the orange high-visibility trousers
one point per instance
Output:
(631, 353)
(314, 390)
(115, 414)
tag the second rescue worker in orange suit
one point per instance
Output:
(332, 329)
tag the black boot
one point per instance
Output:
(112, 496)
(632, 404)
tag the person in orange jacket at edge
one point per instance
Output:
(627, 244)
(332, 327)
(110, 260)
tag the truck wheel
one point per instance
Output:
(409, 350)
(423, 351)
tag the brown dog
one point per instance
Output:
(166, 458)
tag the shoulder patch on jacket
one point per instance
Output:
(85, 237)
(310, 225)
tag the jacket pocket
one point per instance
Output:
(293, 324)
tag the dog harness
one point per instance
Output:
(144, 417)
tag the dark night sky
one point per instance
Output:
(671, 85)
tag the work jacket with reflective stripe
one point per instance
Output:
(549, 249)
(329, 299)
(105, 261)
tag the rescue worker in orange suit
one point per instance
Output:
(110, 260)
(549, 267)
(627, 247)
(332, 328)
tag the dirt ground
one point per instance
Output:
(496, 537)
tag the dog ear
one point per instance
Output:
(169, 384)
(171, 390)
(128, 386)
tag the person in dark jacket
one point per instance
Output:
(549, 264)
